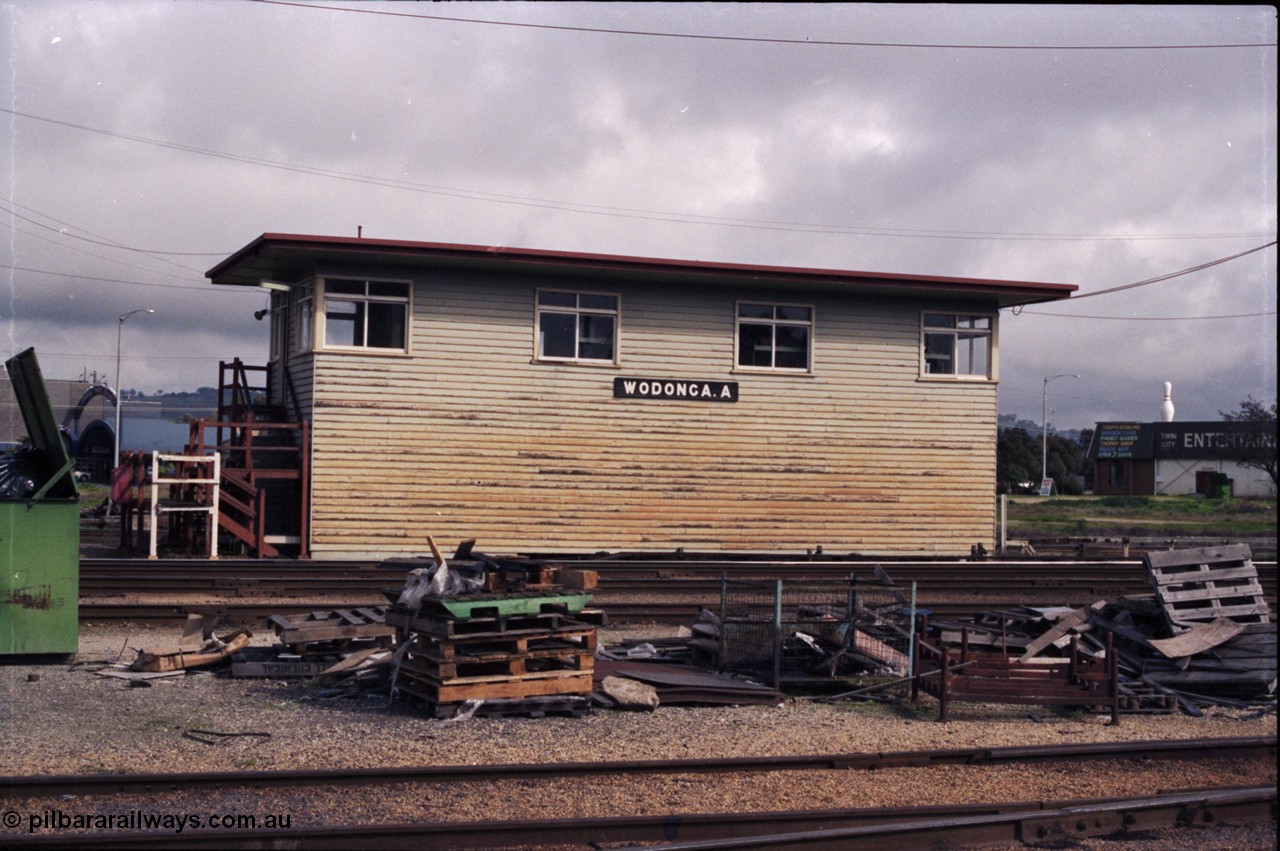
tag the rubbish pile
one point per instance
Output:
(1203, 637)
(481, 635)
(352, 643)
(500, 636)
(195, 649)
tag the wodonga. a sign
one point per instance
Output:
(675, 388)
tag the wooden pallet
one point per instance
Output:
(487, 647)
(496, 666)
(1137, 697)
(480, 626)
(338, 625)
(1198, 586)
(462, 689)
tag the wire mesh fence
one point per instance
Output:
(796, 630)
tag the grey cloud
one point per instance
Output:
(479, 117)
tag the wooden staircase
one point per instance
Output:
(265, 481)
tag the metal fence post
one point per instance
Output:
(724, 618)
(777, 633)
(911, 637)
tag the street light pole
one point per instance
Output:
(115, 459)
(1044, 425)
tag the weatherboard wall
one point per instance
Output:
(468, 437)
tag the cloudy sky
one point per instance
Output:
(142, 142)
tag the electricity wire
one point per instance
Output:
(811, 42)
(620, 212)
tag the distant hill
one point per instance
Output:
(1005, 421)
(183, 406)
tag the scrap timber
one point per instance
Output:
(1198, 586)
(516, 656)
(340, 626)
(1205, 636)
(507, 638)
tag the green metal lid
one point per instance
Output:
(33, 400)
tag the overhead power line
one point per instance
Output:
(1177, 274)
(1018, 311)
(101, 240)
(808, 42)
(1149, 318)
(206, 289)
(626, 212)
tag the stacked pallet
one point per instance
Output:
(494, 664)
(334, 629)
(313, 643)
(1199, 586)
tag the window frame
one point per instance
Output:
(774, 322)
(957, 331)
(578, 312)
(279, 315)
(323, 297)
(306, 318)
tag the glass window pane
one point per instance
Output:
(794, 313)
(306, 318)
(974, 321)
(388, 289)
(939, 354)
(755, 311)
(595, 337)
(553, 299)
(387, 325)
(597, 302)
(792, 347)
(939, 320)
(556, 335)
(338, 287)
(755, 345)
(972, 352)
(343, 323)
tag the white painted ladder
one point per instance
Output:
(211, 468)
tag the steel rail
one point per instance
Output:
(34, 786)
(242, 612)
(1060, 824)
(878, 828)
(630, 589)
(113, 572)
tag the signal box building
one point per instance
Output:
(542, 401)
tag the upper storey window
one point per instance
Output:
(366, 314)
(774, 336)
(958, 345)
(577, 327)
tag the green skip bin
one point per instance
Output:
(39, 530)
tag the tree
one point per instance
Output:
(1262, 456)
(1017, 461)
(1018, 458)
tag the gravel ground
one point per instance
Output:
(64, 719)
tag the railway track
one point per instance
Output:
(660, 590)
(894, 827)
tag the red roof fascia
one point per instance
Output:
(626, 263)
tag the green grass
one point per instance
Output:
(1141, 516)
(92, 495)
